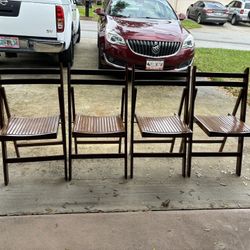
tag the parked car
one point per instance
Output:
(144, 33)
(40, 26)
(239, 11)
(208, 12)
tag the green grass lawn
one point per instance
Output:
(190, 24)
(92, 14)
(221, 60)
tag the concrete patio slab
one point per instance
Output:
(172, 230)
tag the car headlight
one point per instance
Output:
(114, 38)
(188, 42)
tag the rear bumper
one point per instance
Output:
(37, 45)
(215, 19)
(243, 18)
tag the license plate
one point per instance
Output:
(9, 42)
(154, 65)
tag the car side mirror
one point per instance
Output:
(182, 16)
(100, 12)
(192, 5)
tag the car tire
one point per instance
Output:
(67, 57)
(78, 34)
(234, 20)
(100, 64)
(199, 19)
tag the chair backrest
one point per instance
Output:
(29, 76)
(101, 77)
(163, 78)
(216, 79)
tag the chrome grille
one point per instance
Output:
(153, 48)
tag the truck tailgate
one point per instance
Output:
(33, 19)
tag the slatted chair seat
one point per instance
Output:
(223, 125)
(94, 125)
(162, 126)
(23, 128)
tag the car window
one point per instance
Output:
(214, 5)
(201, 4)
(247, 6)
(237, 5)
(105, 4)
(197, 3)
(231, 4)
(158, 9)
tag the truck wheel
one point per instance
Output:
(67, 56)
(78, 34)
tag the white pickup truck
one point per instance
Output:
(46, 26)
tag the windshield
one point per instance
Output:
(155, 9)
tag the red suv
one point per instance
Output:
(144, 33)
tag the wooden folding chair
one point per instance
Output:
(92, 128)
(220, 125)
(160, 129)
(33, 131)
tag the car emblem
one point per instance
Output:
(3, 2)
(156, 48)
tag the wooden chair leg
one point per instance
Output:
(131, 160)
(5, 165)
(172, 146)
(16, 149)
(181, 145)
(189, 156)
(65, 154)
(239, 158)
(184, 159)
(70, 157)
(76, 146)
(120, 145)
(125, 158)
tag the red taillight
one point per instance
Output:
(209, 11)
(59, 19)
(241, 11)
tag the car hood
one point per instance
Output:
(147, 29)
